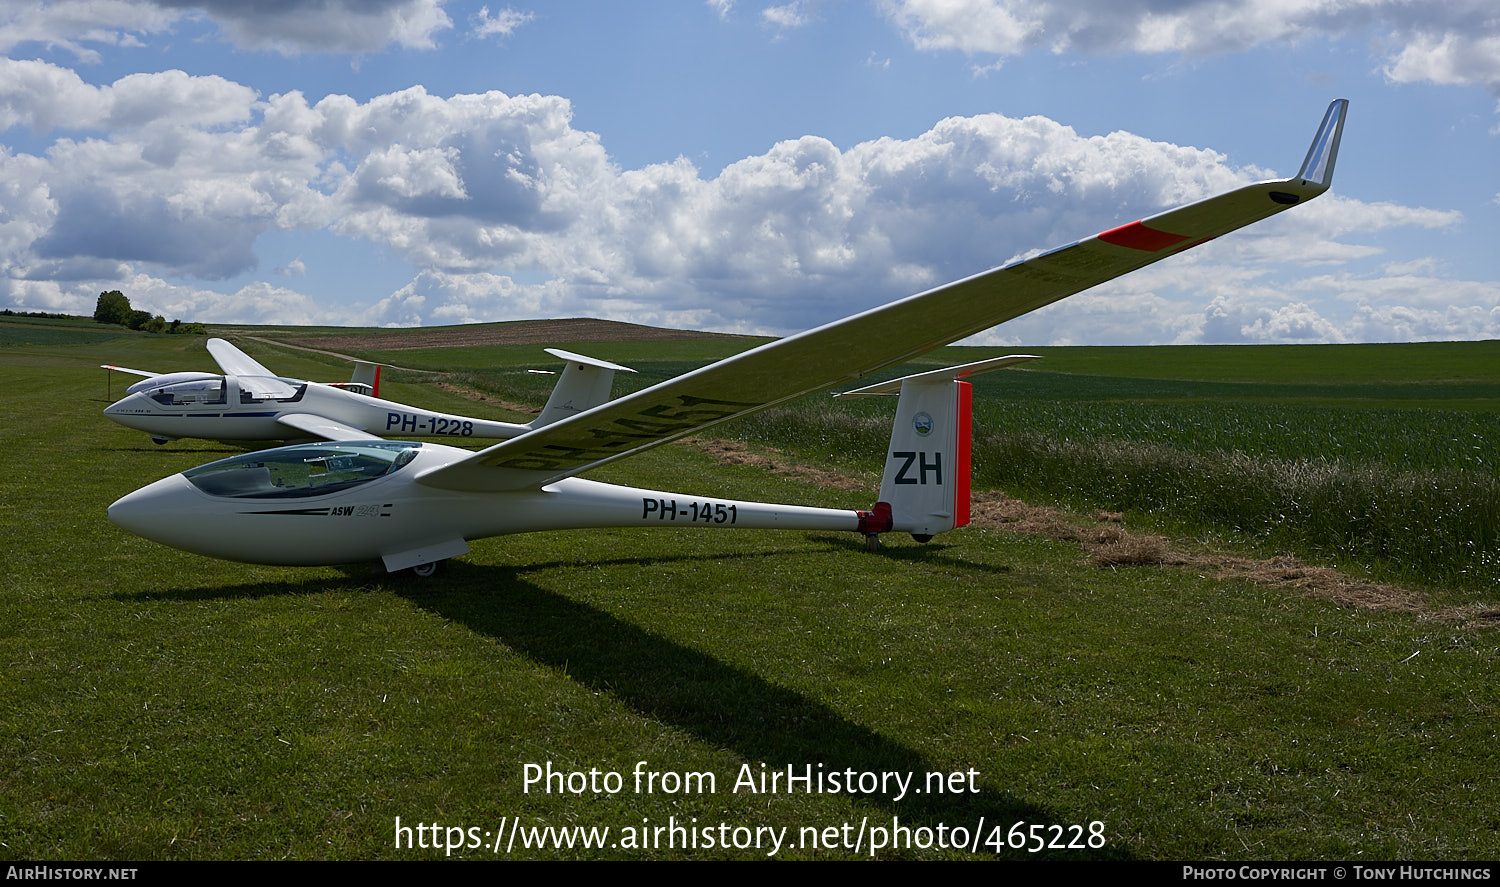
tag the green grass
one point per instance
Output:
(1399, 479)
(159, 705)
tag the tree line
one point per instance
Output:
(114, 307)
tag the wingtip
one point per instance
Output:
(1317, 167)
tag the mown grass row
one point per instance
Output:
(1427, 510)
(1439, 527)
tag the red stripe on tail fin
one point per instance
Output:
(962, 447)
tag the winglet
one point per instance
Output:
(1317, 169)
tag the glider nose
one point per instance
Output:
(125, 410)
(154, 510)
(137, 411)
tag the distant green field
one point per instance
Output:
(1379, 364)
(52, 331)
(1400, 478)
(652, 358)
(160, 705)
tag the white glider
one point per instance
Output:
(249, 402)
(412, 505)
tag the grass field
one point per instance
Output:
(159, 705)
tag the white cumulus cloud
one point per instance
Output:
(504, 209)
(286, 26)
(1448, 42)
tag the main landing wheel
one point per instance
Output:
(872, 542)
(428, 570)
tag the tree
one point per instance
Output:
(112, 307)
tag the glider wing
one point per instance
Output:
(847, 349)
(147, 373)
(234, 361)
(320, 426)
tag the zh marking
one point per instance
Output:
(923, 467)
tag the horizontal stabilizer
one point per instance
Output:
(585, 359)
(960, 372)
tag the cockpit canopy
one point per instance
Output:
(222, 390)
(304, 470)
(195, 391)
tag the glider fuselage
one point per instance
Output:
(219, 408)
(329, 503)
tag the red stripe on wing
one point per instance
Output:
(1141, 237)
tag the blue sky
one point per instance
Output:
(749, 167)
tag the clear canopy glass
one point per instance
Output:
(304, 470)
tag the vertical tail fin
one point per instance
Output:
(585, 383)
(925, 488)
(366, 374)
(926, 479)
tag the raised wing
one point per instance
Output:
(234, 361)
(321, 426)
(850, 348)
(254, 378)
